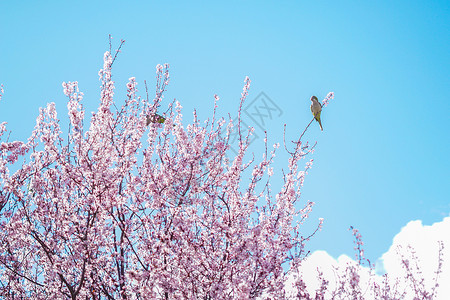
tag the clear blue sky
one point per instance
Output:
(383, 157)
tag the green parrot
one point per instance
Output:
(155, 118)
(316, 109)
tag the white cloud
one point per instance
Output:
(422, 239)
(334, 271)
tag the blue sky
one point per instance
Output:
(382, 159)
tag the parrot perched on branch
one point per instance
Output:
(155, 118)
(316, 109)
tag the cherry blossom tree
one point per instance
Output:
(124, 208)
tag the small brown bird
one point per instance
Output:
(316, 109)
(155, 118)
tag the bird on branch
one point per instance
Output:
(316, 109)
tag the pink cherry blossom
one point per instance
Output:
(117, 209)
